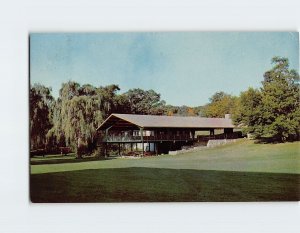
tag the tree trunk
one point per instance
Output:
(78, 149)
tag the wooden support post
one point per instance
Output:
(156, 151)
(193, 135)
(142, 137)
(106, 144)
(131, 147)
(212, 133)
(106, 133)
(119, 149)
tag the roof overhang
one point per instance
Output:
(116, 122)
(131, 122)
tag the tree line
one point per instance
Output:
(72, 119)
(269, 113)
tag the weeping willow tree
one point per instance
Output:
(78, 112)
(81, 119)
(41, 102)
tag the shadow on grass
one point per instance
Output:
(60, 160)
(162, 185)
(272, 141)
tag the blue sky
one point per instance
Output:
(186, 68)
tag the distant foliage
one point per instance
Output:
(272, 113)
(145, 102)
(184, 110)
(220, 104)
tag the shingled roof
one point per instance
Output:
(153, 121)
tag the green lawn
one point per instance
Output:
(242, 171)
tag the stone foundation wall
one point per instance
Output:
(219, 142)
(197, 148)
(210, 143)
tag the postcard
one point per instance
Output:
(164, 117)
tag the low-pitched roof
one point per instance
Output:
(153, 121)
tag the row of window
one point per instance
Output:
(151, 133)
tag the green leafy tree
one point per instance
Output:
(199, 110)
(78, 112)
(59, 131)
(109, 99)
(40, 105)
(247, 112)
(171, 110)
(220, 104)
(122, 104)
(56, 136)
(81, 122)
(145, 102)
(218, 96)
(280, 102)
(272, 113)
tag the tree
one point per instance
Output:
(145, 102)
(122, 104)
(170, 110)
(78, 112)
(82, 120)
(108, 96)
(69, 90)
(247, 113)
(41, 101)
(56, 136)
(280, 102)
(182, 110)
(86, 90)
(272, 113)
(199, 110)
(218, 96)
(191, 112)
(220, 104)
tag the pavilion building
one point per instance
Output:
(154, 134)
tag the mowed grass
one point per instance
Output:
(243, 171)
